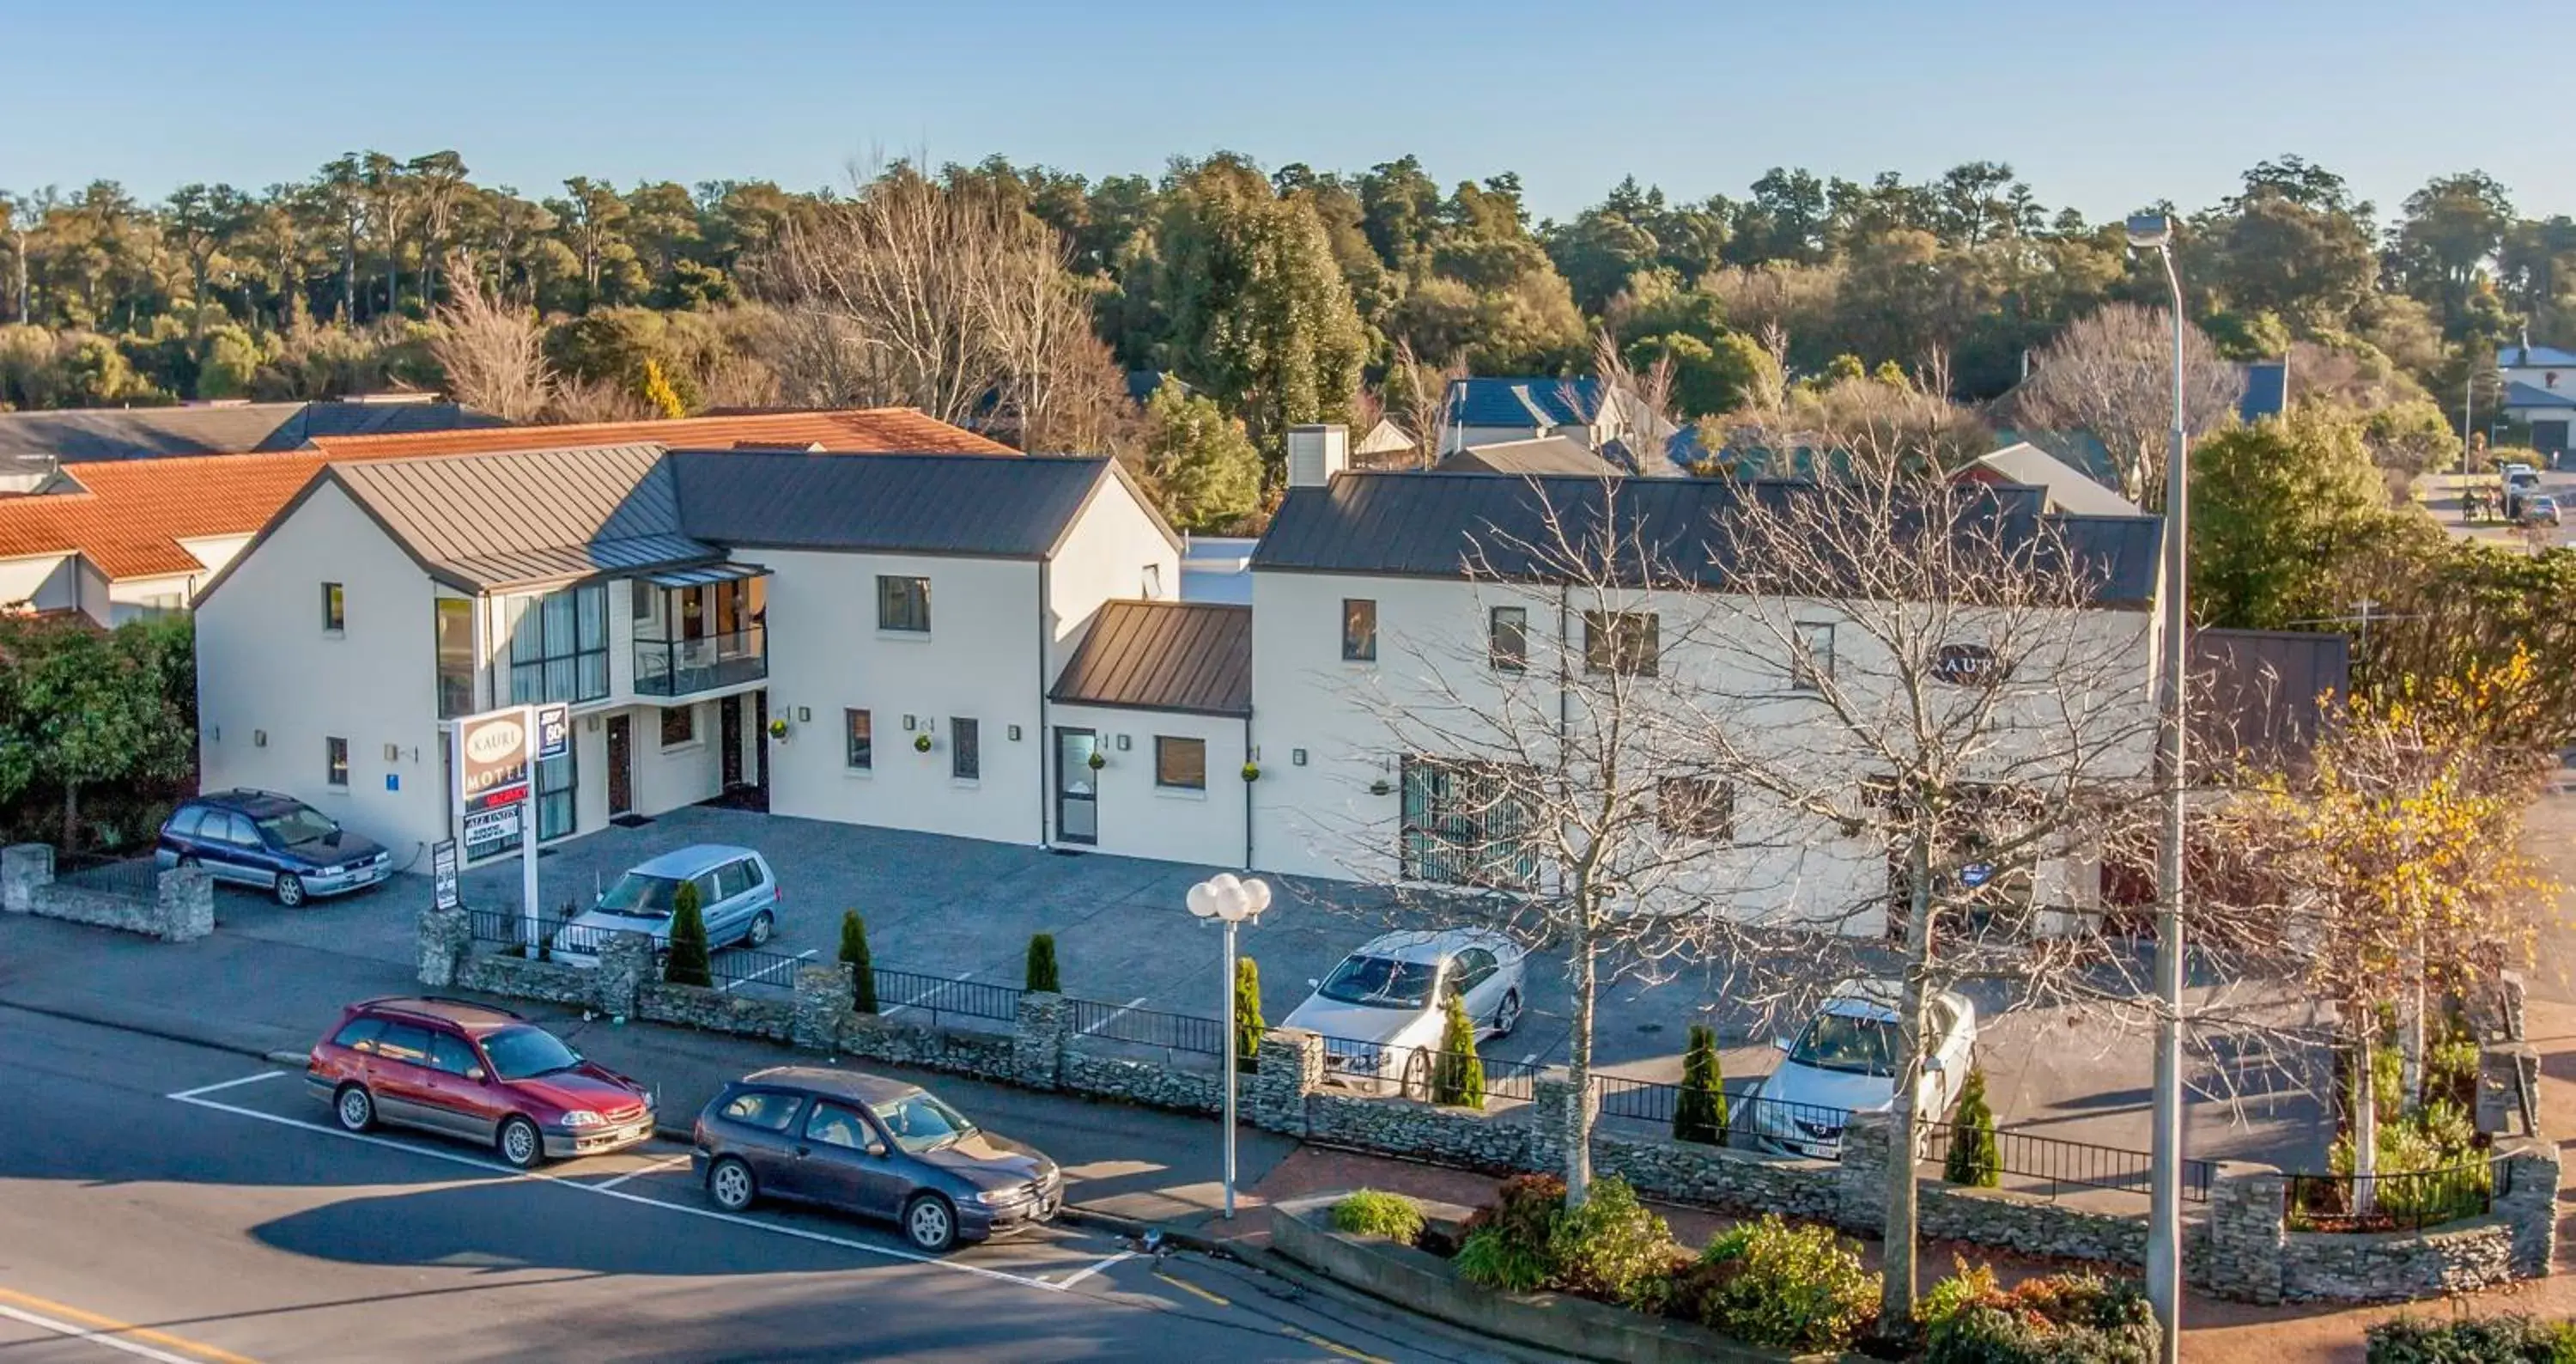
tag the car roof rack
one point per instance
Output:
(462, 1003)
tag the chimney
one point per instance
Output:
(1316, 453)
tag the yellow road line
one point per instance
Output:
(110, 1326)
(1344, 1351)
(1191, 1287)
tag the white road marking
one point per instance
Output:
(209, 1089)
(727, 985)
(953, 983)
(108, 1339)
(663, 1164)
(1087, 1271)
(566, 1182)
(1112, 1017)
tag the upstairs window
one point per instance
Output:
(335, 608)
(1695, 807)
(558, 645)
(1624, 642)
(1507, 638)
(1359, 630)
(1811, 663)
(903, 604)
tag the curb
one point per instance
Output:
(1138, 1228)
(1305, 1280)
(184, 1039)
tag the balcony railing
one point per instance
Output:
(685, 667)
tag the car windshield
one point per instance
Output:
(299, 825)
(523, 1053)
(919, 1122)
(1855, 1046)
(1381, 983)
(637, 896)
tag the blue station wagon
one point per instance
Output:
(270, 842)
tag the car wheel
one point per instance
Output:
(930, 1224)
(1417, 1077)
(290, 889)
(1507, 1015)
(520, 1146)
(354, 1107)
(761, 927)
(730, 1184)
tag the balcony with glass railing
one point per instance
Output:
(688, 667)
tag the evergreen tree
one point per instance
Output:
(1973, 1158)
(1209, 471)
(1458, 1074)
(1248, 1025)
(1042, 972)
(854, 952)
(1700, 1115)
(687, 964)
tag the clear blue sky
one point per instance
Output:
(2104, 106)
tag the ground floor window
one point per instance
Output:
(556, 797)
(335, 761)
(1467, 824)
(965, 750)
(679, 725)
(1180, 764)
(863, 747)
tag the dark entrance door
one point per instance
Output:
(729, 735)
(1077, 801)
(621, 765)
(760, 736)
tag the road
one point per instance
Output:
(168, 1202)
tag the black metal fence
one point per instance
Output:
(1090, 1018)
(736, 968)
(134, 878)
(899, 991)
(507, 930)
(1415, 1072)
(1739, 1119)
(2395, 1202)
(2056, 1163)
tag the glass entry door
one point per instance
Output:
(1077, 809)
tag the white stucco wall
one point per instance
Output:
(981, 660)
(1141, 819)
(1114, 550)
(42, 582)
(265, 666)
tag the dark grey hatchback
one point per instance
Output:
(881, 1148)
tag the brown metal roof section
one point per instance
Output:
(1163, 655)
(489, 521)
(863, 430)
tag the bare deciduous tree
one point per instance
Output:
(1417, 395)
(944, 297)
(492, 348)
(2111, 373)
(1642, 400)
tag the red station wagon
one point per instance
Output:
(478, 1072)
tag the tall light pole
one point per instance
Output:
(2154, 232)
(1229, 900)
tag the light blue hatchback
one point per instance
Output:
(737, 895)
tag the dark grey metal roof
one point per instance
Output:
(490, 521)
(913, 504)
(1163, 655)
(2259, 691)
(1433, 524)
(702, 574)
(82, 434)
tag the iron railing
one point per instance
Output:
(899, 991)
(1089, 1018)
(2395, 1202)
(1411, 1071)
(2058, 1163)
(133, 878)
(684, 667)
(1742, 1119)
(734, 968)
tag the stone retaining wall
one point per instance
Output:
(181, 908)
(2243, 1251)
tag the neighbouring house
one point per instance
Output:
(34, 445)
(1543, 455)
(2539, 393)
(1386, 446)
(120, 537)
(1584, 410)
(2069, 491)
(2267, 390)
(860, 637)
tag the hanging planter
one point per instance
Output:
(1380, 787)
(778, 728)
(921, 743)
(1252, 771)
(1097, 760)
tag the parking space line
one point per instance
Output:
(107, 1331)
(953, 983)
(1186, 1286)
(561, 1181)
(228, 1084)
(1088, 1270)
(663, 1164)
(1344, 1351)
(726, 986)
(1112, 1016)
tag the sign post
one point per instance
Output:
(442, 873)
(496, 787)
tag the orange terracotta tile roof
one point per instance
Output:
(134, 513)
(873, 430)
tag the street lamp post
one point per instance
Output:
(2154, 232)
(1229, 900)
